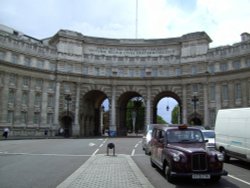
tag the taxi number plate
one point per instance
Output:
(201, 176)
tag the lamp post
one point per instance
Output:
(195, 100)
(68, 99)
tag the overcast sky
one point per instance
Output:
(223, 20)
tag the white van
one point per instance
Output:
(232, 130)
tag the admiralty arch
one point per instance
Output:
(62, 81)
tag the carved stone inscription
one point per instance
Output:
(131, 51)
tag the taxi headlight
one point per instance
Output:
(176, 157)
(220, 157)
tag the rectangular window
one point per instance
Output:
(38, 99)
(236, 65)
(223, 67)
(2, 55)
(36, 118)
(40, 64)
(225, 92)
(26, 81)
(211, 68)
(50, 118)
(14, 58)
(24, 117)
(195, 88)
(10, 117)
(178, 71)
(67, 88)
(52, 66)
(11, 97)
(237, 91)
(27, 61)
(248, 62)
(50, 100)
(51, 85)
(39, 83)
(212, 92)
(194, 70)
(12, 80)
(25, 98)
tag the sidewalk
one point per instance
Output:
(107, 172)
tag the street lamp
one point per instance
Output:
(68, 99)
(195, 100)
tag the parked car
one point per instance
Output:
(181, 152)
(209, 135)
(232, 133)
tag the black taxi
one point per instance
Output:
(180, 151)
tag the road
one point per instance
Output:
(46, 163)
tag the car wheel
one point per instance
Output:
(167, 171)
(216, 178)
(226, 157)
(152, 163)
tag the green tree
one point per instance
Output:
(160, 120)
(175, 114)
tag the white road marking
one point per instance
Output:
(91, 144)
(133, 152)
(136, 145)
(95, 152)
(101, 145)
(238, 179)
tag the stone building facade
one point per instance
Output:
(36, 75)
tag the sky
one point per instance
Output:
(223, 20)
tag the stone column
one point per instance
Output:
(184, 105)
(57, 100)
(4, 101)
(44, 105)
(218, 96)
(112, 126)
(205, 100)
(148, 105)
(76, 127)
(18, 100)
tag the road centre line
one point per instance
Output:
(95, 152)
(133, 152)
(101, 145)
(243, 181)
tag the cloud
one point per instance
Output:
(223, 20)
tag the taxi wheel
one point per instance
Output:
(216, 178)
(167, 172)
(152, 163)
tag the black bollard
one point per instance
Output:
(111, 146)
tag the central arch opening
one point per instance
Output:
(131, 114)
(167, 108)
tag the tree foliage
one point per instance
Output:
(175, 114)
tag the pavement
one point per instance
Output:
(107, 172)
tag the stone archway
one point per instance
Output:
(122, 128)
(195, 119)
(162, 95)
(66, 122)
(90, 112)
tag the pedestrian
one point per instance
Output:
(46, 132)
(6, 132)
(61, 131)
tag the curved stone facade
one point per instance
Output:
(36, 75)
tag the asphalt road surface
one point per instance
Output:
(45, 163)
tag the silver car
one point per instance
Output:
(210, 136)
(146, 142)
